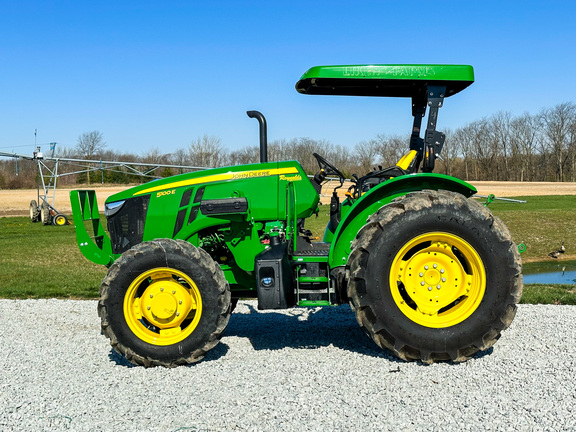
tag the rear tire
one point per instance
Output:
(164, 303)
(434, 276)
(34, 211)
(45, 216)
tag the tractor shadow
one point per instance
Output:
(302, 328)
(299, 328)
(219, 351)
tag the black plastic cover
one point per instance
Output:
(224, 206)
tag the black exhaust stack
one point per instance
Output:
(263, 134)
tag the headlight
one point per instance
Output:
(110, 209)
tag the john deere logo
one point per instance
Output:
(250, 174)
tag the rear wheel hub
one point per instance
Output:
(437, 279)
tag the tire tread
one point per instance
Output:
(166, 246)
(403, 207)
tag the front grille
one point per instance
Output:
(126, 226)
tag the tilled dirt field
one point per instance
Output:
(17, 202)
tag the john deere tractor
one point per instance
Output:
(429, 272)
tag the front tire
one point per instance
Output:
(59, 220)
(434, 276)
(164, 303)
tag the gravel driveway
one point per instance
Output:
(299, 369)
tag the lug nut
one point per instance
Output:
(148, 308)
(425, 267)
(422, 283)
(161, 289)
(443, 279)
(442, 271)
(435, 265)
(429, 288)
(438, 286)
(177, 313)
(180, 302)
(421, 274)
(173, 291)
(151, 295)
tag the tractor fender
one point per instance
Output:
(381, 195)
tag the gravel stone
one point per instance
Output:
(296, 369)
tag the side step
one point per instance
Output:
(307, 248)
(313, 285)
(312, 303)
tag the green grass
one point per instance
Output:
(318, 224)
(549, 294)
(542, 223)
(39, 261)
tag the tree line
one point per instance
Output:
(502, 147)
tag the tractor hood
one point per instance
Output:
(168, 185)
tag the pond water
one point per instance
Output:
(550, 272)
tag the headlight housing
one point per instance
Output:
(110, 209)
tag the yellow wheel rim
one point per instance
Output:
(437, 280)
(162, 306)
(60, 220)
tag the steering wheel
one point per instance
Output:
(328, 168)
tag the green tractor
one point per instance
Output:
(429, 272)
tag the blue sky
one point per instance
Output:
(159, 74)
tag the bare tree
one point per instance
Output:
(390, 149)
(90, 144)
(500, 131)
(246, 155)
(302, 149)
(450, 152)
(154, 156)
(523, 136)
(340, 157)
(572, 148)
(462, 139)
(277, 150)
(299, 149)
(365, 153)
(484, 149)
(179, 157)
(207, 151)
(558, 122)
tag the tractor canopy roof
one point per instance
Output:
(384, 80)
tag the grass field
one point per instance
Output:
(542, 223)
(39, 261)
